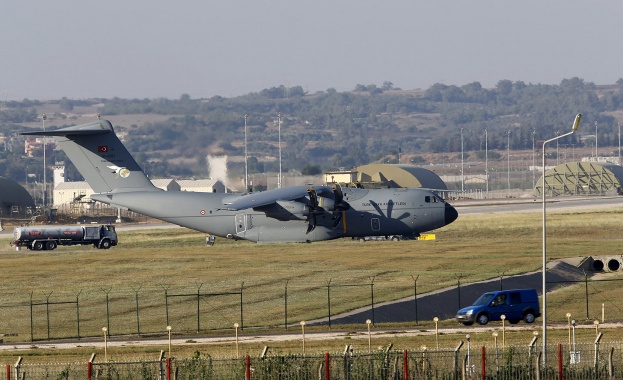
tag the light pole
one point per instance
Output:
(436, 320)
(169, 332)
(574, 355)
(503, 318)
(462, 166)
(508, 146)
(574, 128)
(569, 326)
(45, 182)
(487, 159)
(495, 343)
(246, 157)
(105, 330)
(303, 331)
(236, 325)
(533, 168)
(279, 184)
(369, 322)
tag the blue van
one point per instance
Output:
(515, 304)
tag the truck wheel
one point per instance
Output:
(482, 319)
(105, 244)
(50, 245)
(37, 246)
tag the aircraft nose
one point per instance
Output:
(451, 214)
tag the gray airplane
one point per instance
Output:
(290, 214)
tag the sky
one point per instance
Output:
(153, 48)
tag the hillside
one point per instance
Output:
(172, 137)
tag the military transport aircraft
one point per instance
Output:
(290, 214)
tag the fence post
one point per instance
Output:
(326, 367)
(168, 368)
(405, 369)
(89, 370)
(484, 364)
(611, 363)
(537, 366)
(559, 361)
(455, 370)
(248, 369)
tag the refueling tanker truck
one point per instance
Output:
(49, 237)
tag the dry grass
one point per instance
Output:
(146, 263)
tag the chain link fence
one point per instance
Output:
(587, 362)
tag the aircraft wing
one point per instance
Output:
(264, 198)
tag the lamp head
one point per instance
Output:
(568, 315)
(576, 122)
(502, 317)
(368, 321)
(436, 319)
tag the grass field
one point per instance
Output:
(148, 263)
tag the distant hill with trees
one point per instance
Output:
(328, 129)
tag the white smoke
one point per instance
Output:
(217, 165)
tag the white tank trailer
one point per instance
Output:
(49, 237)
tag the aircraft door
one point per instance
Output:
(376, 224)
(243, 223)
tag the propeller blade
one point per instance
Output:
(311, 223)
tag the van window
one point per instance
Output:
(515, 298)
(484, 299)
(499, 300)
(427, 199)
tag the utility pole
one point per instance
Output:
(45, 182)
(279, 124)
(246, 158)
(487, 159)
(508, 144)
(462, 167)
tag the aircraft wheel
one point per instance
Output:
(50, 245)
(395, 238)
(362, 239)
(105, 244)
(37, 246)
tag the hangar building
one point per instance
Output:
(582, 178)
(15, 201)
(386, 175)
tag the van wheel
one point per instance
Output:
(395, 238)
(362, 239)
(529, 317)
(482, 319)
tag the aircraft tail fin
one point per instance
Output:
(100, 157)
